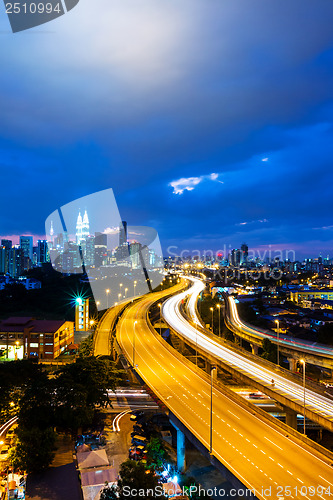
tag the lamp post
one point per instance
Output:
(120, 285)
(134, 285)
(278, 339)
(107, 291)
(212, 309)
(211, 411)
(303, 363)
(119, 297)
(219, 308)
(135, 322)
(160, 307)
(126, 290)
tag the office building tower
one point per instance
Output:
(101, 242)
(123, 233)
(26, 244)
(42, 252)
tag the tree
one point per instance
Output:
(109, 493)
(156, 453)
(134, 475)
(269, 351)
(86, 348)
(34, 450)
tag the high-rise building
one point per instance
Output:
(3, 260)
(79, 223)
(89, 252)
(101, 249)
(6, 246)
(236, 257)
(16, 261)
(42, 252)
(26, 243)
(245, 253)
(85, 226)
(134, 249)
(123, 233)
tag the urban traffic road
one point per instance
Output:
(171, 312)
(262, 457)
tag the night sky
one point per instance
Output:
(212, 120)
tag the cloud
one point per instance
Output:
(251, 222)
(189, 183)
(265, 159)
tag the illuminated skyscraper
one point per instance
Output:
(85, 225)
(79, 224)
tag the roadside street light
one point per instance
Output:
(119, 296)
(212, 309)
(278, 340)
(303, 363)
(219, 308)
(107, 291)
(211, 410)
(126, 289)
(135, 322)
(120, 285)
(134, 285)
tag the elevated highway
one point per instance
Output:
(285, 390)
(264, 456)
(312, 352)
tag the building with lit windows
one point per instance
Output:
(29, 338)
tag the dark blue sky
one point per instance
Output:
(212, 120)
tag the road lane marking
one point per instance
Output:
(273, 443)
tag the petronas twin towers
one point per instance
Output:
(82, 227)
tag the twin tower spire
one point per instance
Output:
(82, 227)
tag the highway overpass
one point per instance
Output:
(263, 454)
(285, 390)
(295, 349)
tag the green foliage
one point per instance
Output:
(187, 483)
(157, 455)
(34, 450)
(135, 475)
(86, 348)
(269, 351)
(109, 493)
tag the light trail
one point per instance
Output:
(173, 316)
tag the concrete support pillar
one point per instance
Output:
(292, 364)
(181, 462)
(255, 349)
(291, 418)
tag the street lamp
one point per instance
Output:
(135, 322)
(107, 291)
(134, 285)
(212, 309)
(160, 306)
(278, 339)
(211, 410)
(126, 289)
(219, 308)
(119, 296)
(120, 285)
(302, 361)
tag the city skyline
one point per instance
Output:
(222, 138)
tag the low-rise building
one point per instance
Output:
(26, 337)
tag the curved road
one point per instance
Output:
(293, 391)
(259, 455)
